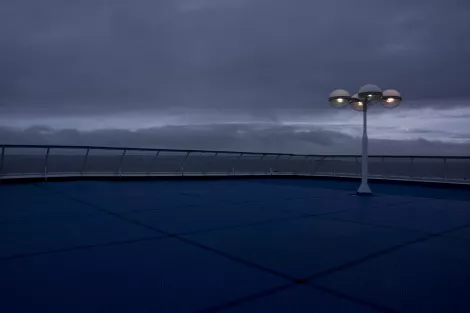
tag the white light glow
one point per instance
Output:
(390, 100)
(340, 100)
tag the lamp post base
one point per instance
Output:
(364, 190)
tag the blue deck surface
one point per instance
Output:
(254, 245)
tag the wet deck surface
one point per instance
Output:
(254, 245)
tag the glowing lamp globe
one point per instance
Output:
(357, 103)
(371, 92)
(339, 98)
(391, 98)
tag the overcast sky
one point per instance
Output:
(234, 74)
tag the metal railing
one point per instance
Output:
(45, 161)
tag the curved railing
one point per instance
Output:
(47, 161)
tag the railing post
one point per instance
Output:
(357, 164)
(445, 169)
(45, 163)
(276, 163)
(2, 159)
(270, 171)
(85, 161)
(120, 162)
(383, 167)
(290, 157)
(233, 168)
(334, 167)
(316, 168)
(183, 163)
(411, 167)
(263, 156)
(153, 162)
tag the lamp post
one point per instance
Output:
(367, 96)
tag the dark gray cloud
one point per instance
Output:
(448, 124)
(102, 55)
(234, 137)
(233, 74)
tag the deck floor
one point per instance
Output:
(244, 245)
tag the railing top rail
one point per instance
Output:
(231, 152)
(140, 149)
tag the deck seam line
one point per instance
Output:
(380, 253)
(80, 247)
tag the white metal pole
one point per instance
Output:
(364, 188)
